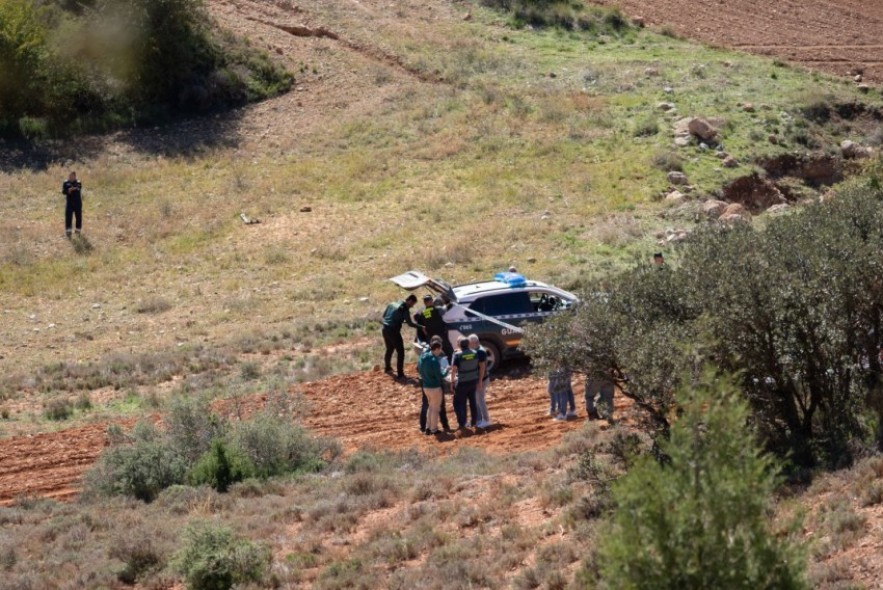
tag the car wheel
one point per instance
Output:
(493, 352)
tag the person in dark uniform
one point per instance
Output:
(72, 190)
(431, 319)
(467, 371)
(396, 314)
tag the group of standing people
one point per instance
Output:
(467, 372)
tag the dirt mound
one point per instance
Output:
(841, 37)
(362, 410)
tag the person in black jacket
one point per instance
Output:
(396, 314)
(72, 191)
(432, 322)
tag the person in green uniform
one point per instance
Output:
(396, 314)
(431, 377)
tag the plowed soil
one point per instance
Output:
(841, 37)
(362, 410)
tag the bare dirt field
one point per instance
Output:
(362, 410)
(840, 37)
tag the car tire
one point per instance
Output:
(493, 352)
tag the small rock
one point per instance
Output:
(306, 209)
(850, 149)
(545, 216)
(714, 208)
(650, 72)
(703, 146)
(665, 106)
(676, 177)
(675, 197)
(279, 50)
(730, 162)
(531, 260)
(553, 75)
(668, 90)
(363, 299)
(721, 155)
(773, 139)
(702, 129)
(639, 21)
(863, 88)
(736, 209)
(467, 17)
(682, 141)
(748, 107)
(858, 78)
(96, 306)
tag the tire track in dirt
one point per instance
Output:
(365, 410)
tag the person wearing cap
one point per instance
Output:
(396, 314)
(467, 371)
(432, 321)
(484, 418)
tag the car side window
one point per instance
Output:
(504, 304)
(541, 301)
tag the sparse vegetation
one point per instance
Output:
(793, 310)
(515, 139)
(199, 447)
(699, 519)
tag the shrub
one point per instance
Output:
(700, 520)
(66, 70)
(220, 467)
(212, 558)
(275, 446)
(139, 553)
(646, 126)
(794, 310)
(59, 409)
(192, 426)
(141, 468)
(668, 161)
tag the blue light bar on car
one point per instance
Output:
(513, 280)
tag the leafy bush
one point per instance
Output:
(191, 426)
(796, 311)
(221, 467)
(59, 409)
(141, 469)
(700, 520)
(274, 446)
(213, 559)
(66, 67)
(199, 447)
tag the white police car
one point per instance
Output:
(495, 310)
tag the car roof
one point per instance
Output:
(472, 290)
